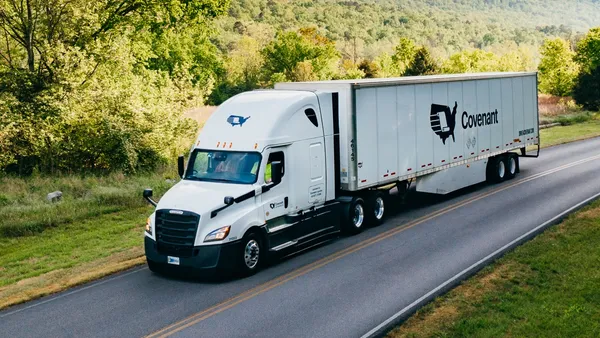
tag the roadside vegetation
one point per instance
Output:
(94, 230)
(547, 287)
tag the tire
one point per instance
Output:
(376, 208)
(354, 217)
(512, 166)
(251, 255)
(496, 169)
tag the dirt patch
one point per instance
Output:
(59, 280)
(590, 214)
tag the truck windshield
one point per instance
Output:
(223, 166)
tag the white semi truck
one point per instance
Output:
(277, 170)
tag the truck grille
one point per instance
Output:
(176, 233)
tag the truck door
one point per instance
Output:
(276, 201)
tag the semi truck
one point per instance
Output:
(274, 171)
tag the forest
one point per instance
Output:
(99, 87)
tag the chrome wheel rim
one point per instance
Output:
(501, 169)
(359, 216)
(251, 253)
(379, 208)
(512, 166)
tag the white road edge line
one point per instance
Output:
(71, 292)
(475, 265)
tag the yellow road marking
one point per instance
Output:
(260, 289)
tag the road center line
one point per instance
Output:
(260, 289)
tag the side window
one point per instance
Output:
(277, 156)
(312, 116)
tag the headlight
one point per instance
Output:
(149, 226)
(218, 234)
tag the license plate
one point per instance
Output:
(173, 260)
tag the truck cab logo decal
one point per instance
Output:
(236, 120)
(443, 121)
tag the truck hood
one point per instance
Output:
(200, 197)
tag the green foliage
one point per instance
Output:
(27, 212)
(587, 89)
(404, 54)
(557, 70)
(102, 86)
(422, 64)
(301, 56)
(588, 51)
(471, 61)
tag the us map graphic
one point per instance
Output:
(443, 121)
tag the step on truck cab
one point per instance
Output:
(277, 170)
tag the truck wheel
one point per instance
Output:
(497, 169)
(376, 208)
(512, 164)
(250, 257)
(354, 216)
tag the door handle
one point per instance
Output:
(285, 202)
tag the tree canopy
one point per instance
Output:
(102, 85)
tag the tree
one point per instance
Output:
(422, 64)
(101, 85)
(471, 61)
(557, 70)
(588, 51)
(587, 89)
(404, 54)
(289, 49)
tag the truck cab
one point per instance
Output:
(258, 177)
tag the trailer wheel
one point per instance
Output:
(354, 216)
(497, 169)
(251, 254)
(512, 165)
(376, 208)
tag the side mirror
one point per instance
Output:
(276, 172)
(180, 166)
(148, 196)
(228, 200)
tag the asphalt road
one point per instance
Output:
(345, 288)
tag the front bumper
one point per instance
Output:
(207, 257)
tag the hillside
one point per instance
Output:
(366, 28)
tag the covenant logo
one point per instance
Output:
(443, 121)
(478, 120)
(236, 120)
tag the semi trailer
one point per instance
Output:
(278, 170)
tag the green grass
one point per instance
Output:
(26, 212)
(570, 119)
(71, 244)
(97, 217)
(573, 132)
(549, 287)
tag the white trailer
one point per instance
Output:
(277, 170)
